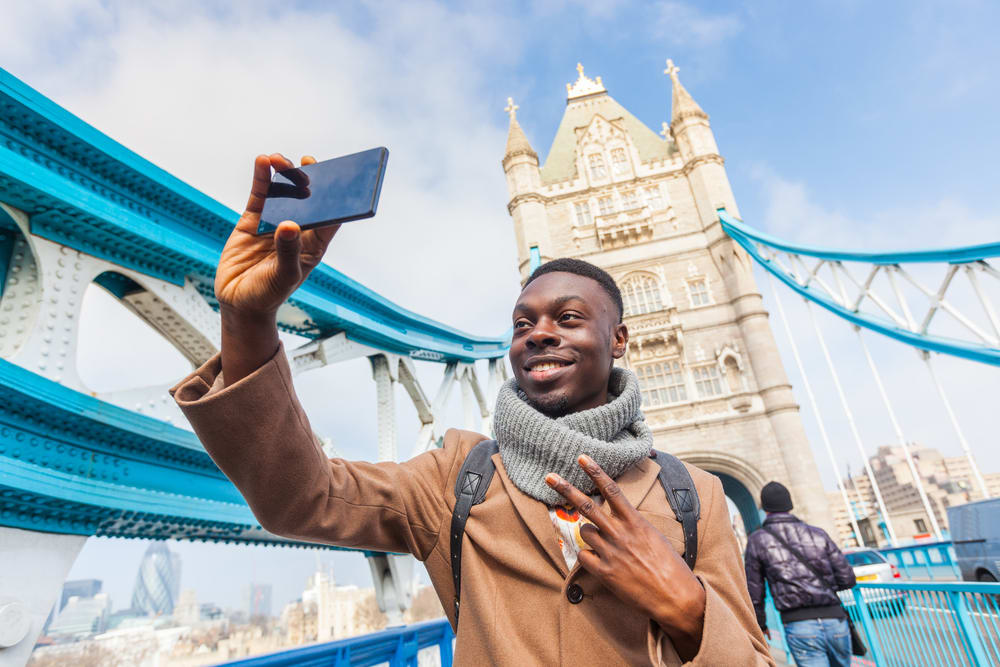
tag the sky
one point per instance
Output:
(850, 124)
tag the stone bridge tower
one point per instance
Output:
(643, 207)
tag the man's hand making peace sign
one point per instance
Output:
(635, 561)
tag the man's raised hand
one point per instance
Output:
(256, 274)
(635, 561)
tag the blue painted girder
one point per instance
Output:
(85, 190)
(749, 238)
(71, 463)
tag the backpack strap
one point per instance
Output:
(474, 478)
(683, 499)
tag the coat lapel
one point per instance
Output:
(634, 483)
(637, 480)
(535, 515)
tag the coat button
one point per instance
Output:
(574, 593)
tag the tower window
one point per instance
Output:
(536, 257)
(698, 292)
(641, 295)
(583, 216)
(606, 205)
(662, 383)
(706, 380)
(597, 169)
(630, 200)
(619, 162)
(653, 198)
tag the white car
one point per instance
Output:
(871, 567)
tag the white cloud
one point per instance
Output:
(688, 25)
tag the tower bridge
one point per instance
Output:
(78, 208)
(654, 209)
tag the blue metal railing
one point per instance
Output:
(918, 623)
(934, 561)
(396, 647)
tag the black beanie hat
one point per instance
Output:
(774, 497)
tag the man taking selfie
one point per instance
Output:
(572, 553)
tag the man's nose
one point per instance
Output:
(543, 335)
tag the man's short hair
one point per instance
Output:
(587, 270)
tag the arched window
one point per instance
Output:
(642, 295)
(619, 162)
(597, 169)
(706, 380)
(661, 383)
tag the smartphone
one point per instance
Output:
(326, 193)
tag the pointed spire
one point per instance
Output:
(517, 143)
(682, 104)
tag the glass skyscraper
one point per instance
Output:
(157, 585)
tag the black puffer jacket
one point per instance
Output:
(793, 586)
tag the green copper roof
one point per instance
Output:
(560, 165)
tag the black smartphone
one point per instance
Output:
(338, 190)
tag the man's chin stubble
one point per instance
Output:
(551, 406)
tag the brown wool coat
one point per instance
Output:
(515, 609)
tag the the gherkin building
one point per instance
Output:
(157, 584)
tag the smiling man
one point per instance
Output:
(574, 554)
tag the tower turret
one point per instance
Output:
(711, 189)
(696, 142)
(526, 205)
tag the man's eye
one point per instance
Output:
(520, 324)
(566, 316)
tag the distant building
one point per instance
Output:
(257, 599)
(81, 588)
(82, 617)
(947, 481)
(187, 611)
(211, 612)
(157, 584)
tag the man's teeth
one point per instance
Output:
(547, 366)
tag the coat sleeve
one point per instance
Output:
(843, 573)
(258, 434)
(754, 567)
(731, 635)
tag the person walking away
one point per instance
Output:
(805, 569)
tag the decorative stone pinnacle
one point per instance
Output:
(511, 108)
(672, 69)
(666, 130)
(584, 85)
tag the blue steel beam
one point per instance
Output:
(749, 238)
(71, 463)
(84, 190)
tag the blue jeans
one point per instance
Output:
(819, 642)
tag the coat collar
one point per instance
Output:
(780, 517)
(634, 483)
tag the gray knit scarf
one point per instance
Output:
(532, 444)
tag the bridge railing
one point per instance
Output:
(428, 643)
(934, 561)
(918, 623)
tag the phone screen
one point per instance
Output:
(338, 190)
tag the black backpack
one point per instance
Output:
(477, 472)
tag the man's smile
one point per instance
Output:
(545, 368)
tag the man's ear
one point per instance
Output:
(619, 341)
